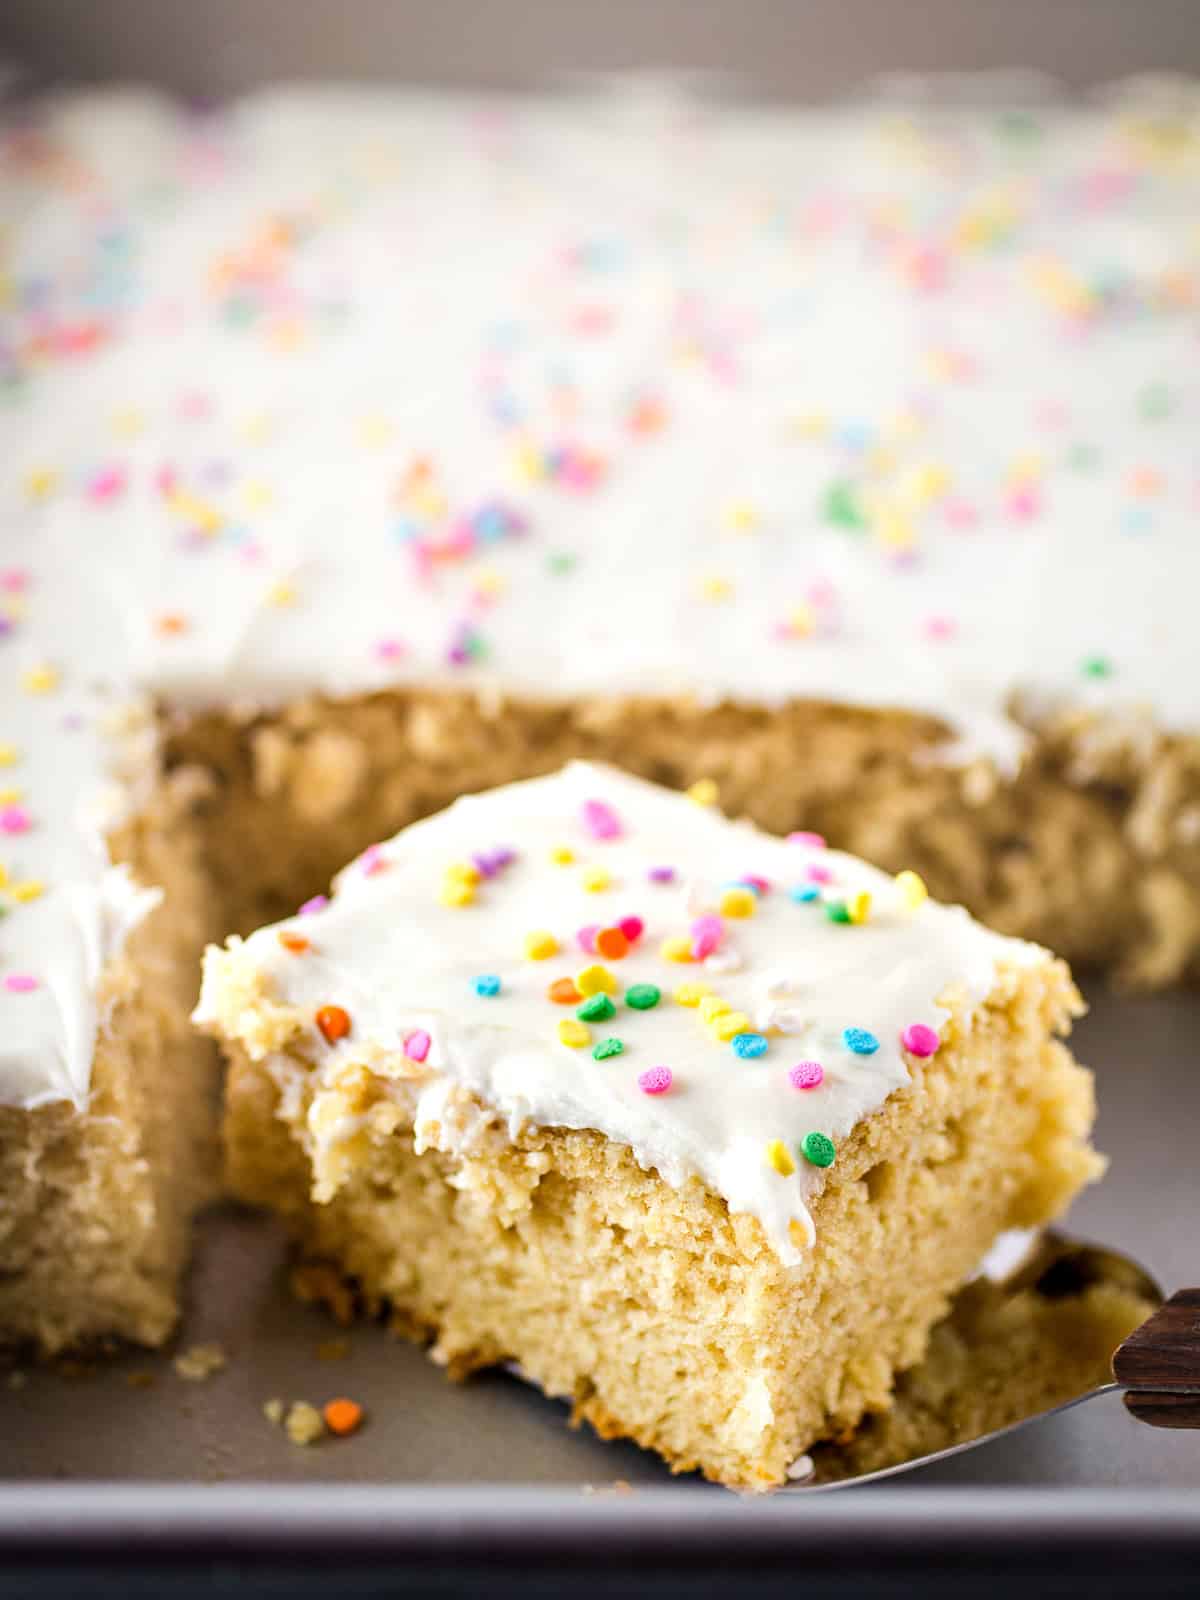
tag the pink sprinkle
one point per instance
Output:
(632, 928)
(655, 1080)
(14, 579)
(816, 873)
(807, 1075)
(939, 628)
(15, 819)
(23, 982)
(821, 592)
(106, 484)
(317, 903)
(814, 841)
(586, 938)
(707, 933)
(761, 886)
(389, 649)
(919, 1040)
(960, 514)
(1023, 503)
(661, 874)
(373, 860)
(416, 1046)
(600, 820)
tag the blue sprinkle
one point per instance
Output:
(860, 1041)
(749, 1045)
(487, 985)
(804, 893)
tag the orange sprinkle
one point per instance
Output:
(342, 1416)
(333, 1022)
(612, 944)
(295, 942)
(172, 622)
(563, 992)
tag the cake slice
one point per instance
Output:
(698, 1126)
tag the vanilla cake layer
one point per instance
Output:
(717, 1203)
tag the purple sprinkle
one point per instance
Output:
(806, 1075)
(661, 874)
(317, 903)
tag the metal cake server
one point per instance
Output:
(1157, 1367)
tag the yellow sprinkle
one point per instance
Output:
(712, 1007)
(528, 463)
(780, 1157)
(894, 531)
(255, 495)
(801, 621)
(562, 855)
(739, 903)
(10, 797)
(40, 680)
(858, 906)
(282, 594)
(714, 587)
(595, 879)
(207, 518)
(574, 1034)
(256, 429)
(3, 877)
(24, 892)
(8, 755)
(741, 516)
(464, 872)
(540, 946)
(704, 792)
(912, 889)
(595, 980)
(489, 582)
(39, 483)
(801, 1233)
(690, 994)
(677, 948)
(128, 424)
(456, 892)
(373, 430)
(811, 425)
(733, 1022)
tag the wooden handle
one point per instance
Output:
(1159, 1364)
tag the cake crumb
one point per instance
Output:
(333, 1350)
(303, 1423)
(140, 1380)
(17, 1379)
(317, 1283)
(273, 1410)
(200, 1361)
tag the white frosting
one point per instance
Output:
(398, 960)
(228, 338)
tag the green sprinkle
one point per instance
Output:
(606, 1048)
(841, 506)
(643, 996)
(837, 911)
(596, 1008)
(560, 562)
(1154, 402)
(1083, 458)
(819, 1149)
(1096, 667)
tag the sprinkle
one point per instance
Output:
(661, 874)
(342, 1416)
(739, 903)
(468, 872)
(712, 1007)
(595, 879)
(643, 996)
(600, 820)
(596, 1008)
(859, 908)
(919, 1040)
(573, 1034)
(751, 880)
(612, 944)
(20, 982)
(690, 994)
(14, 819)
(632, 928)
(676, 948)
(596, 980)
(487, 985)
(456, 891)
(807, 1075)
(606, 1048)
(805, 893)
(562, 855)
(860, 1041)
(816, 873)
(749, 1046)
(1096, 667)
(334, 1023)
(813, 841)
(779, 1157)
(540, 946)
(317, 903)
(912, 889)
(819, 1149)
(837, 911)
(657, 1080)
(41, 679)
(707, 933)
(586, 938)
(563, 992)
(295, 942)
(704, 792)
(726, 1027)
(416, 1045)
(8, 757)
